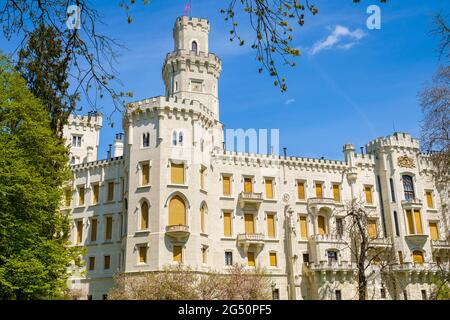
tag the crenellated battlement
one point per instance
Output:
(184, 21)
(397, 140)
(92, 120)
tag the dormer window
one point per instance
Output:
(195, 47)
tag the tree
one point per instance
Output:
(369, 249)
(44, 65)
(34, 244)
(182, 282)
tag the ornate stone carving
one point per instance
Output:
(406, 162)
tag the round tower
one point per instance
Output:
(191, 71)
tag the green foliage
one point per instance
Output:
(34, 244)
(44, 65)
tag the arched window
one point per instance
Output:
(195, 46)
(174, 138)
(144, 216)
(202, 218)
(321, 225)
(418, 257)
(408, 187)
(177, 211)
(180, 138)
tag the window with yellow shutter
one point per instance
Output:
(143, 254)
(248, 185)
(249, 223)
(368, 194)
(177, 254)
(336, 192)
(271, 225)
(400, 257)
(250, 259)
(202, 218)
(144, 216)
(227, 224)
(429, 196)
(95, 193)
(177, 173)
(68, 197)
(319, 190)
(372, 229)
(94, 230)
(202, 179)
(418, 257)
(79, 231)
(273, 259)
(108, 234)
(409, 218)
(301, 190)
(434, 231)
(418, 221)
(321, 225)
(226, 185)
(177, 211)
(145, 174)
(110, 191)
(303, 228)
(81, 192)
(269, 188)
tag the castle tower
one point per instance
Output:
(191, 71)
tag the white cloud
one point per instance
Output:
(341, 37)
(289, 101)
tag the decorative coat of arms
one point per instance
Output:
(406, 162)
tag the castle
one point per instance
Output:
(170, 193)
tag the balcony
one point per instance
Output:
(247, 240)
(380, 243)
(321, 268)
(411, 267)
(417, 240)
(178, 232)
(440, 245)
(250, 199)
(315, 204)
(412, 204)
(326, 238)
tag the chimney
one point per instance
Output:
(118, 145)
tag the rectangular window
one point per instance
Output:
(107, 262)
(391, 183)
(81, 191)
(79, 231)
(177, 254)
(339, 226)
(95, 193)
(424, 294)
(306, 257)
(250, 259)
(372, 229)
(429, 199)
(418, 221)
(227, 224)
(408, 187)
(91, 263)
(94, 230)
(271, 225)
(383, 293)
(108, 234)
(202, 179)
(338, 294)
(202, 219)
(143, 254)
(249, 223)
(434, 231)
(177, 173)
(269, 188)
(76, 141)
(301, 190)
(368, 193)
(273, 259)
(226, 185)
(204, 255)
(146, 140)
(319, 190)
(228, 258)
(409, 218)
(336, 192)
(303, 228)
(110, 191)
(248, 185)
(68, 197)
(145, 177)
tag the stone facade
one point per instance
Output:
(170, 193)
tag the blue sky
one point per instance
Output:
(361, 85)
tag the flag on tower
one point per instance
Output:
(187, 8)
